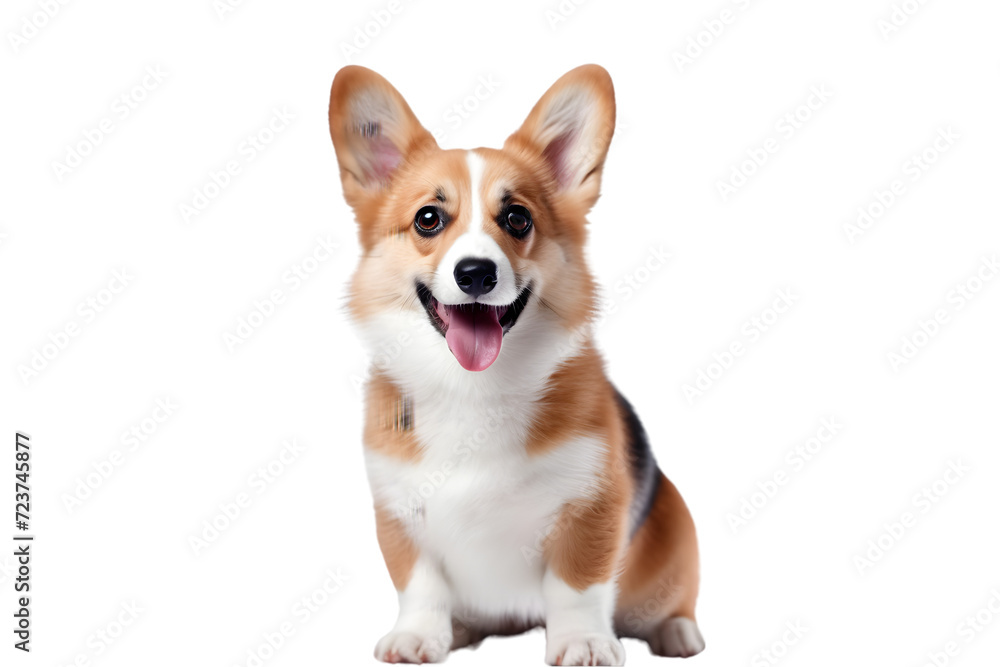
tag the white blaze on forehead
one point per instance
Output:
(475, 243)
(475, 164)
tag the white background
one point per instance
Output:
(683, 128)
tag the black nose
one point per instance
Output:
(476, 276)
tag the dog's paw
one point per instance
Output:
(677, 637)
(411, 647)
(585, 649)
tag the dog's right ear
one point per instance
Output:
(374, 132)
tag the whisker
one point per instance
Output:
(543, 302)
(408, 301)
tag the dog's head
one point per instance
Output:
(469, 249)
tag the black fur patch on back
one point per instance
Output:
(645, 473)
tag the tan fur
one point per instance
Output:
(661, 565)
(579, 401)
(386, 430)
(585, 544)
(398, 550)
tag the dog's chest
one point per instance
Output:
(481, 505)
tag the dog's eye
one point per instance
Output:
(428, 221)
(518, 220)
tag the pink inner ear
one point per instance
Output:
(378, 156)
(557, 155)
(385, 157)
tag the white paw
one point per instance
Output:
(678, 637)
(401, 646)
(585, 649)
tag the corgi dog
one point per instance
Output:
(513, 485)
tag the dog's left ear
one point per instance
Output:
(571, 127)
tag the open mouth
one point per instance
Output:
(474, 331)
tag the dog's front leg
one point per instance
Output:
(578, 628)
(423, 630)
(579, 587)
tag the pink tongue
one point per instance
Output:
(474, 336)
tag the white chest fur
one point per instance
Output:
(476, 503)
(480, 506)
